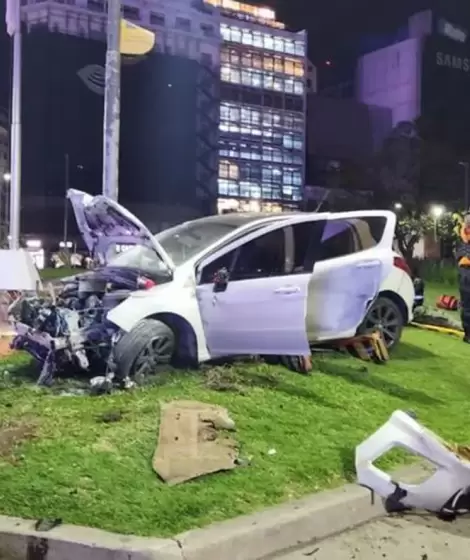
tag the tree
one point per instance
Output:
(412, 227)
(396, 167)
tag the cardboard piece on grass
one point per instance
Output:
(193, 441)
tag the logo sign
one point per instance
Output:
(452, 61)
(93, 76)
(452, 31)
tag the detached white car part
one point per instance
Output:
(446, 491)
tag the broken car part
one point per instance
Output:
(446, 491)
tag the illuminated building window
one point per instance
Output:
(266, 41)
(261, 79)
(228, 170)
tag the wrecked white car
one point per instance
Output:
(235, 284)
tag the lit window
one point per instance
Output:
(234, 57)
(269, 81)
(289, 66)
(268, 63)
(247, 38)
(278, 84)
(257, 61)
(278, 65)
(299, 69)
(224, 56)
(298, 87)
(269, 42)
(257, 39)
(235, 35)
(278, 44)
(299, 48)
(289, 47)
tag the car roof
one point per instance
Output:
(238, 219)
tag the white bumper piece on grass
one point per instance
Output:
(446, 491)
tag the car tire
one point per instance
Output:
(138, 353)
(385, 316)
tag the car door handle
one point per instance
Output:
(287, 290)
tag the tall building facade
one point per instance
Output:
(263, 70)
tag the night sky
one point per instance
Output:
(335, 25)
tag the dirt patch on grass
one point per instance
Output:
(12, 435)
(5, 349)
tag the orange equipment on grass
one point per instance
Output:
(450, 303)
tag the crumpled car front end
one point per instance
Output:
(68, 330)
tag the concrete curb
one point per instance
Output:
(251, 537)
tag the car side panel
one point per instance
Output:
(178, 298)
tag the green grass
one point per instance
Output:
(87, 472)
(57, 273)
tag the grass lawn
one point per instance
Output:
(57, 273)
(68, 464)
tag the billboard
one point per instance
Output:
(445, 89)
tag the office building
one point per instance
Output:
(424, 71)
(262, 110)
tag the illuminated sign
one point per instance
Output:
(452, 31)
(452, 61)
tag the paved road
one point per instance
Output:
(415, 537)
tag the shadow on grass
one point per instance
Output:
(239, 380)
(406, 351)
(368, 380)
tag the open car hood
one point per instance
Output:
(104, 223)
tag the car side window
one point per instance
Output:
(261, 257)
(209, 271)
(349, 236)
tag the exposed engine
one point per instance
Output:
(67, 330)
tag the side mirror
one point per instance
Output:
(221, 280)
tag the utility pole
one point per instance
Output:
(112, 102)
(14, 30)
(66, 202)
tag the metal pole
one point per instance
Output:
(112, 99)
(66, 202)
(15, 172)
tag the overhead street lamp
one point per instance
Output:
(437, 212)
(398, 206)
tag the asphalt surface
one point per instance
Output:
(414, 537)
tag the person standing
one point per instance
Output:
(463, 260)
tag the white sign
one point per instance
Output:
(453, 32)
(452, 61)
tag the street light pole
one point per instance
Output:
(112, 102)
(66, 202)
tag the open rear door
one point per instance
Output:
(354, 258)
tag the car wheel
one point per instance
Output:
(299, 364)
(386, 317)
(139, 352)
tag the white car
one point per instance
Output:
(245, 284)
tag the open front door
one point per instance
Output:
(353, 259)
(252, 295)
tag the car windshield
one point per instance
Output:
(181, 243)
